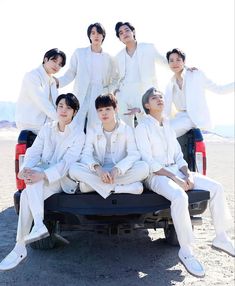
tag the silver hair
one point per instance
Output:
(145, 98)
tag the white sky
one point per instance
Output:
(204, 29)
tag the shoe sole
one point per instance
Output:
(3, 270)
(198, 276)
(45, 235)
(222, 250)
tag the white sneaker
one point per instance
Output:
(84, 188)
(224, 245)
(13, 259)
(133, 188)
(37, 233)
(192, 265)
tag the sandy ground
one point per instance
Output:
(141, 258)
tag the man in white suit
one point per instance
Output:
(170, 177)
(186, 95)
(110, 159)
(136, 70)
(94, 73)
(44, 170)
(36, 103)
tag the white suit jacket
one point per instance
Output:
(33, 106)
(147, 56)
(195, 84)
(152, 148)
(80, 70)
(123, 148)
(55, 153)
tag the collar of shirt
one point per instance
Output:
(155, 121)
(173, 79)
(48, 79)
(119, 129)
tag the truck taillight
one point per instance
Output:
(19, 157)
(200, 155)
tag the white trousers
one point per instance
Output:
(179, 204)
(88, 109)
(32, 206)
(182, 123)
(80, 172)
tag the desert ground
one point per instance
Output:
(140, 258)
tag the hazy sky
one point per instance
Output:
(204, 29)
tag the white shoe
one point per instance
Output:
(133, 188)
(192, 265)
(224, 245)
(37, 233)
(84, 188)
(13, 259)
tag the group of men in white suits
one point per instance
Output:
(110, 156)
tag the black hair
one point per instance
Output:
(54, 54)
(105, 100)
(70, 99)
(100, 29)
(120, 24)
(145, 98)
(176, 51)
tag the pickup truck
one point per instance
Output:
(119, 213)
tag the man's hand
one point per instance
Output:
(182, 183)
(189, 180)
(192, 69)
(132, 111)
(31, 176)
(104, 175)
(114, 173)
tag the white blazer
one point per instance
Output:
(154, 150)
(147, 56)
(80, 70)
(55, 152)
(195, 84)
(123, 148)
(33, 107)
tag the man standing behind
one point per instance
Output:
(36, 103)
(136, 68)
(93, 72)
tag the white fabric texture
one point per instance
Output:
(88, 84)
(195, 85)
(132, 89)
(153, 153)
(34, 107)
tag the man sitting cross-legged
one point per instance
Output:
(110, 159)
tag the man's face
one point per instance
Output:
(176, 63)
(95, 37)
(155, 103)
(107, 114)
(52, 66)
(126, 34)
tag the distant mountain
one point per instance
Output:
(7, 111)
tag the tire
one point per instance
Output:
(48, 242)
(170, 235)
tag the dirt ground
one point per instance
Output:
(140, 258)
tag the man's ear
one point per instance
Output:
(75, 112)
(45, 60)
(146, 105)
